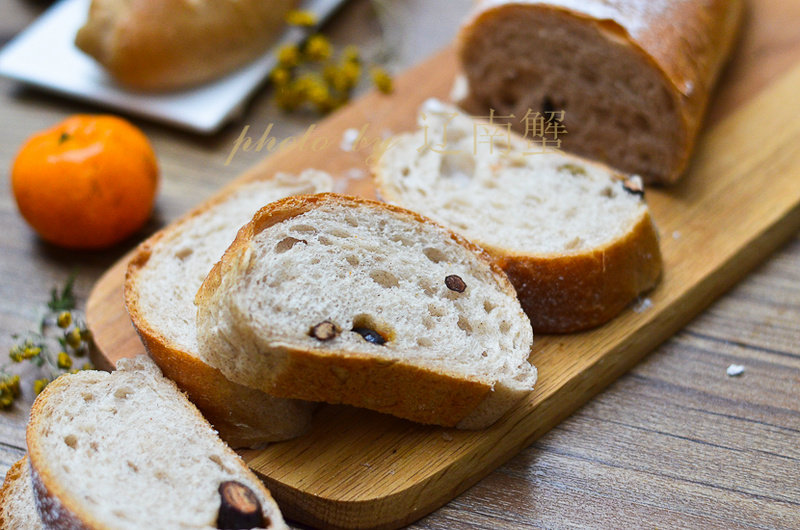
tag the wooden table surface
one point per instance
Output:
(675, 443)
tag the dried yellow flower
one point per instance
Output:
(64, 319)
(39, 385)
(288, 56)
(64, 361)
(382, 80)
(318, 48)
(280, 76)
(31, 352)
(301, 17)
(73, 338)
(351, 54)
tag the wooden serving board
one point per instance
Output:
(740, 200)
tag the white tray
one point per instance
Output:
(44, 55)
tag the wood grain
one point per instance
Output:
(708, 423)
(358, 469)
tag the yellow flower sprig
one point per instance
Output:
(309, 76)
(61, 325)
(301, 17)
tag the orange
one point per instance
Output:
(88, 182)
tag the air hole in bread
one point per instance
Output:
(427, 288)
(589, 76)
(71, 440)
(399, 238)
(184, 253)
(338, 232)
(436, 310)
(218, 460)
(484, 354)
(123, 392)
(464, 325)
(434, 254)
(353, 260)
(575, 243)
(351, 220)
(609, 192)
(548, 107)
(88, 397)
(488, 306)
(459, 167)
(424, 342)
(428, 322)
(384, 278)
(641, 122)
(303, 229)
(133, 467)
(287, 243)
(405, 171)
(505, 326)
(325, 241)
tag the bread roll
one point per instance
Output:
(633, 76)
(171, 44)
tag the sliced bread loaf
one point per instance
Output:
(162, 279)
(127, 450)
(17, 509)
(574, 237)
(345, 300)
(633, 76)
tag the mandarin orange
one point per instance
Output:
(88, 182)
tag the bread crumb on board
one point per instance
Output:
(735, 370)
(349, 138)
(642, 304)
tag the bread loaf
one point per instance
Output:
(344, 300)
(17, 509)
(575, 237)
(633, 76)
(162, 279)
(171, 44)
(127, 450)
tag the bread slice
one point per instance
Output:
(633, 76)
(162, 279)
(127, 450)
(345, 300)
(17, 509)
(574, 237)
(172, 44)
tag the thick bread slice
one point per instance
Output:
(634, 76)
(17, 509)
(172, 44)
(303, 298)
(577, 245)
(127, 450)
(162, 279)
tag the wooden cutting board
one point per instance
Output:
(740, 200)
